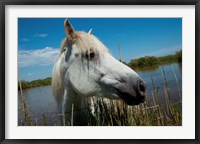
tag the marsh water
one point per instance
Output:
(42, 106)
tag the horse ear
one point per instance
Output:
(90, 31)
(68, 28)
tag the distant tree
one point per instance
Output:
(34, 83)
(143, 62)
(179, 56)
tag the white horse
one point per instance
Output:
(85, 68)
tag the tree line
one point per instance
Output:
(35, 83)
(149, 61)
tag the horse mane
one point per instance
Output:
(86, 42)
(57, 82)
(63, 45)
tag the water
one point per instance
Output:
(158, 79)
(41, 102)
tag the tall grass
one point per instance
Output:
(157, 110)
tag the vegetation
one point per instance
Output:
(35, 83)
(144, 62)
(158, 110)
(149, 61)
(179, 56)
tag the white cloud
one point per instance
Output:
(25, 40)
(166, 51)
(41, 35)
(162, 51)
(41, 57)
(29, 74)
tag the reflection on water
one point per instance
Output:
(41, 102)
(159, 80)
(180, 67)
(147, 69)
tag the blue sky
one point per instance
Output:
(39, 39)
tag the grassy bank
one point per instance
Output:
(152, 61)
(35, 83)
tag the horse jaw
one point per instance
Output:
(120, 81)
(77, 75)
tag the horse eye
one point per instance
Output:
(90, 55)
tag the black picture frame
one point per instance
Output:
(3, 4)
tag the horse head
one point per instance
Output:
(88, 69)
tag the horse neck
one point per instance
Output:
(79, 102)
(72, 99)
(78, 105)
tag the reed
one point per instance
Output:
(177, 85)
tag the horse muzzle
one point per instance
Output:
(134, 94)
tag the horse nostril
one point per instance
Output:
(141, 86)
